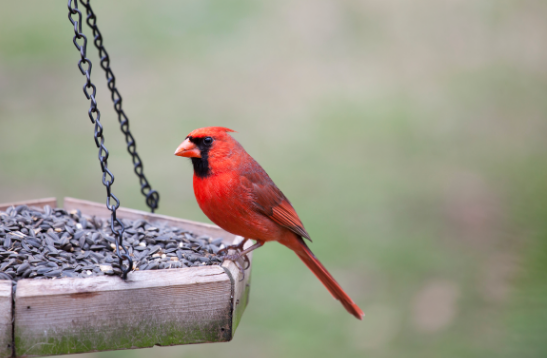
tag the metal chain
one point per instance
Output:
(152, 196)
(94, 114)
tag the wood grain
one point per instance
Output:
(5, 319)
(38, 203)
(163, 307)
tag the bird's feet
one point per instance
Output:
(236, 260)
(241, 254)
(238, 247)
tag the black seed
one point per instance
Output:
(67, 247)
(69, 273)
(25, 253)
(53, 273)
(214, 248)
(217, 242)
(94, 238)
(49, 241)
(153, 250)
(23, 267)
(43, 270)
(4, 276)
(204, 259)
(33, 242)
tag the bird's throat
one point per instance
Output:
(201, 166)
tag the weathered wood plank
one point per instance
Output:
(163, 307)
(5, 319)
(241, 283)
(91, 208)
(38, 202)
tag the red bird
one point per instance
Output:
(235, 192)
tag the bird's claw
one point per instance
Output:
(223, 251)
(235, 259)
(237, 247)
(247, 261)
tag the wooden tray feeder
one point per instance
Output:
(152, 307)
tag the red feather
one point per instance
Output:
(238, 195)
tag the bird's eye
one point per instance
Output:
(207, 140)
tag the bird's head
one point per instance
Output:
(203, 144)
(199, 142)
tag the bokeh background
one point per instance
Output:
(409, 136)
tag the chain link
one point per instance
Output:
(152, 196)
(84, 64)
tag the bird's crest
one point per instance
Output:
(209, 131)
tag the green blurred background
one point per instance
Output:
(409, 136)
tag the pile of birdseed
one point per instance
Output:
(53, 243)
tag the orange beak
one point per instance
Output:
(188, 149)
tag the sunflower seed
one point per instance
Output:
(51, 243)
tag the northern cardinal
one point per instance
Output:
(235, 192)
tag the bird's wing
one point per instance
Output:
(270, 201)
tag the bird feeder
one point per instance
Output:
(138, 308)
(153, 307)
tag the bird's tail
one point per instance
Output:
(305, 254)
